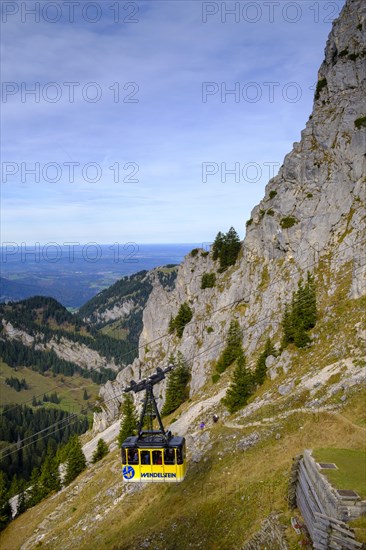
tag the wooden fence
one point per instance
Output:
(326, 531)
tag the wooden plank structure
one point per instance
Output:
(326, 532)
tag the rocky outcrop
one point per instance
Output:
(76, 352)
(271, 535)
(319, 193)
(125, 300)
(312, 218)
(14, 333)
(117, 311)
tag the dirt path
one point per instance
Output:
(272, 419)
(195, 413)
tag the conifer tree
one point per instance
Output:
(101, 451)
(226, 248)
(231, 248)
(261, 369)
(233, 347)
(287, 326)
(76, 461)
(177, 390)
(217, 245)
(5, 509)
(14, 486)
(34, 492)
(129, 419)
(50, 478)
(301, 315)
(308, 303)
(171, 326)
(208, 280)
(22, 504)
(241, 387)
(301, 337)
(183, 317)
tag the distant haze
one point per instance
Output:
(74, 274)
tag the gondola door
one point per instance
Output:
(145, 464)
(158, 466)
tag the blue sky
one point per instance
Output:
(127, 139)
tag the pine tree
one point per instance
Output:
(233, 347)
(230, 249)
(171, 326)
(22, 504)
(54, 398)
(217, 245)
(183, 317)
(34, 492)
(226, 248)
(261, 369)
(129, 419)
(76, 461)
(5, 508)
(301, 315)
(287, 326)
(208, 280)
(14, 486)
(85, 395)
(101, 451)
(301, 337)
(309, 308)
(177, 390)
(241, 387)
(50, 478)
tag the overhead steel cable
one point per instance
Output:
(70, 420)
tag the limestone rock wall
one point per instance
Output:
(77, 353)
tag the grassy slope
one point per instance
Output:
(351, 472)
(115, 330)
(221, 502)
(69, 389)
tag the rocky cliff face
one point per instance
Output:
(312, 218)
(321, 185)
(66, 349)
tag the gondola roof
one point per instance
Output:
(152, 440)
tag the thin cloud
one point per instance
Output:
(167, 134)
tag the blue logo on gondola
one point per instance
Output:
(128, 472)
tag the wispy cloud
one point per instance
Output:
(151, 120)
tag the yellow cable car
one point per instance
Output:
(152, 455)
(153, 460)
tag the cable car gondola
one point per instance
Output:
(152, 455)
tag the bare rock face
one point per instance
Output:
(77, 353)
(111, 397)
(320, 188)
(117, 311)
(313, 213)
